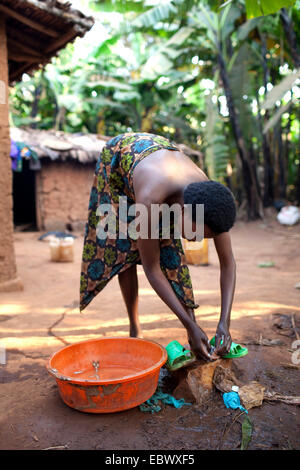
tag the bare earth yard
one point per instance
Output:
(45, 317)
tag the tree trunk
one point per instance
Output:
(254, 167)
(35, 104)
(290, 35)
(268, 191)
(281, 164)
(229, 48)
(60, 118)
(298, 179)
(268, 194)
(287, 146)
(289, 30)
(254, 208)
(298, 186)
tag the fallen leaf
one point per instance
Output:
(252, 394)
(266, 264)
(246, 432)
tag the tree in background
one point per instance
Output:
(217, 76)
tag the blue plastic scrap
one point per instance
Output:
(57, 234)
(152, 405)
(232, 400)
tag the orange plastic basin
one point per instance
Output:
(127, 374)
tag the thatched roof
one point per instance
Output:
(37, 29)
(84, 148)
(59, 145)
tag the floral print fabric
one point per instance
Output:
(103, 259)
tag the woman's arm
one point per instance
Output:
(227, 285)
(150, 257)
(150, 252)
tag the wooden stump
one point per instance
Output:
(195, 382)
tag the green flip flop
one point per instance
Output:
(178, 356)
(236, 350)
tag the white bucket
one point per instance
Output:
(62, 249)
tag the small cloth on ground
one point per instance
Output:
(152, 404)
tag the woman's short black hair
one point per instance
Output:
(219, 204)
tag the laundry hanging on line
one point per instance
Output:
(20, 150)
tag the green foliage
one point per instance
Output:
(246, 432)
(120, 6)
(256, 8)
(155, 69)
(241, 84)
(279, 90)
(162, 61)
(217, 151)
(165, 11)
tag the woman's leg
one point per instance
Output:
(129, 287)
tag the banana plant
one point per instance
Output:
(217, 150)
(162, 61)
(257, 8)
(276, 94)
(166, 12)
(218, 27)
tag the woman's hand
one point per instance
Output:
(227, 283)
(222, 334)
(199, 343)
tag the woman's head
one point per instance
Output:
(219, 204)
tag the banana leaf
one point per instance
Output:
(226, 21)
(279, 90)
(255, 8)
(246, 432)
(274, 119)
(155, 15)
(176, 77)
(162, 61)
(156, 65)
(240, 80)
(217, 151)
(120, 6)
(110, 84)
(104, 48)
(126, 95)
(180, 36)
(246, 28)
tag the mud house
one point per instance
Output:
(52, 190)
(31, 32)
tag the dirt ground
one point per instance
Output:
(44, 317)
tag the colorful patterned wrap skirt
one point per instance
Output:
(102, 258)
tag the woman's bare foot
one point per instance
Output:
(135, 332)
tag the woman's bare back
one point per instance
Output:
(164, 173)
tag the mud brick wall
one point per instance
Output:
(62, 194)
(8, 271)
